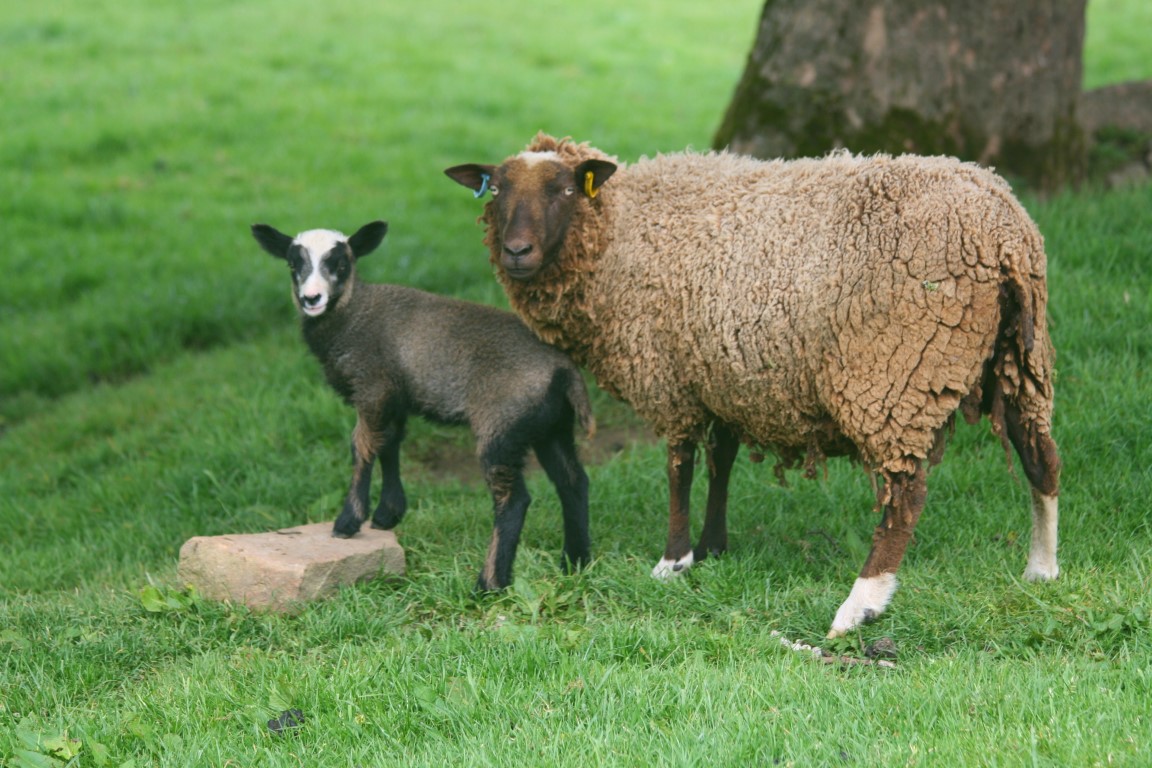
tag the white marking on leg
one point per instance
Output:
(867, 600)
(666, 569)
(1042, 565)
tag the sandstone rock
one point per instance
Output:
(281, 570)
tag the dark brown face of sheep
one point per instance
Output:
(534, 197)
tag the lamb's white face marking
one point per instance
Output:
(867, 600)
(1042, 565)
(666, 569)
(313, 289)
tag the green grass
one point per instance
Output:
(153, 387)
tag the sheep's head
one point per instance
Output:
(534, 197)
(323, 262)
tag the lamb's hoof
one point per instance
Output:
(867, 600)
(666, 569)
(344, 531)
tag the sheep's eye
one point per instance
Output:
(495, 190)
(569, 190)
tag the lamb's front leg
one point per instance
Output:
(393, 502)
(364, 444)
(902, 498)
(678, 552)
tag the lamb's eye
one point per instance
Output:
(569, 190)
(495, 190)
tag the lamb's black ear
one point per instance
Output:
(591, 174)
(473, 176)
(272, 240)
(368, 238)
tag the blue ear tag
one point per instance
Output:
(484, 179)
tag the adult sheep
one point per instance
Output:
(821, 307)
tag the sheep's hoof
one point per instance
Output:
(666, 568)
(867, 600)
(1041, 572)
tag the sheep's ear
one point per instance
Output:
(591, 174)
(272, 240)
(473, 176)
(368, 238)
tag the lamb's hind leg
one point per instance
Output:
(558, 457)
(504, 473)
(1038, 454)
(902, 498)
(678, 552)
(721, 455)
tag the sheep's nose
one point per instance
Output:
(311, 301)
(518, 249)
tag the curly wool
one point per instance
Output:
(845, 305)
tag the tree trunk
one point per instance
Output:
(995, 81)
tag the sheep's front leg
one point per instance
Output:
(678, 552)
(393, 502)
(364, 445)
(721, 455)
(902, 498)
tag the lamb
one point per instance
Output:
(841, 306)
(392, 351)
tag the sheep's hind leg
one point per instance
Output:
(1041, 461)
(902, 498)
(558, 457)
(393, 502)
(721, 455)
(678, 552)
(364, 444)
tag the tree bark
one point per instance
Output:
(995, 81)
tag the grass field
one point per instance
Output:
(153, 387)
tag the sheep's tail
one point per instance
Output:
(1025, 355)
(1018, 390)
(577, 395)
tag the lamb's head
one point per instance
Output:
(323, 261)
(534, 197)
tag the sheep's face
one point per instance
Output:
(534, 197)
(323, 261)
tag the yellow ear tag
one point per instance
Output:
(590, 190)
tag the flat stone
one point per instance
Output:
(282, 570)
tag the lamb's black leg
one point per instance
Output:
(721, 455)
(364, 445)
(510, 501)
(678, 551)
(558, 458)
(393, 503)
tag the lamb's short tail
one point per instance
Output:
(577, 395)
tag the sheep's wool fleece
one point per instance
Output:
(841, 305)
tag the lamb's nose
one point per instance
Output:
(311, 301)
